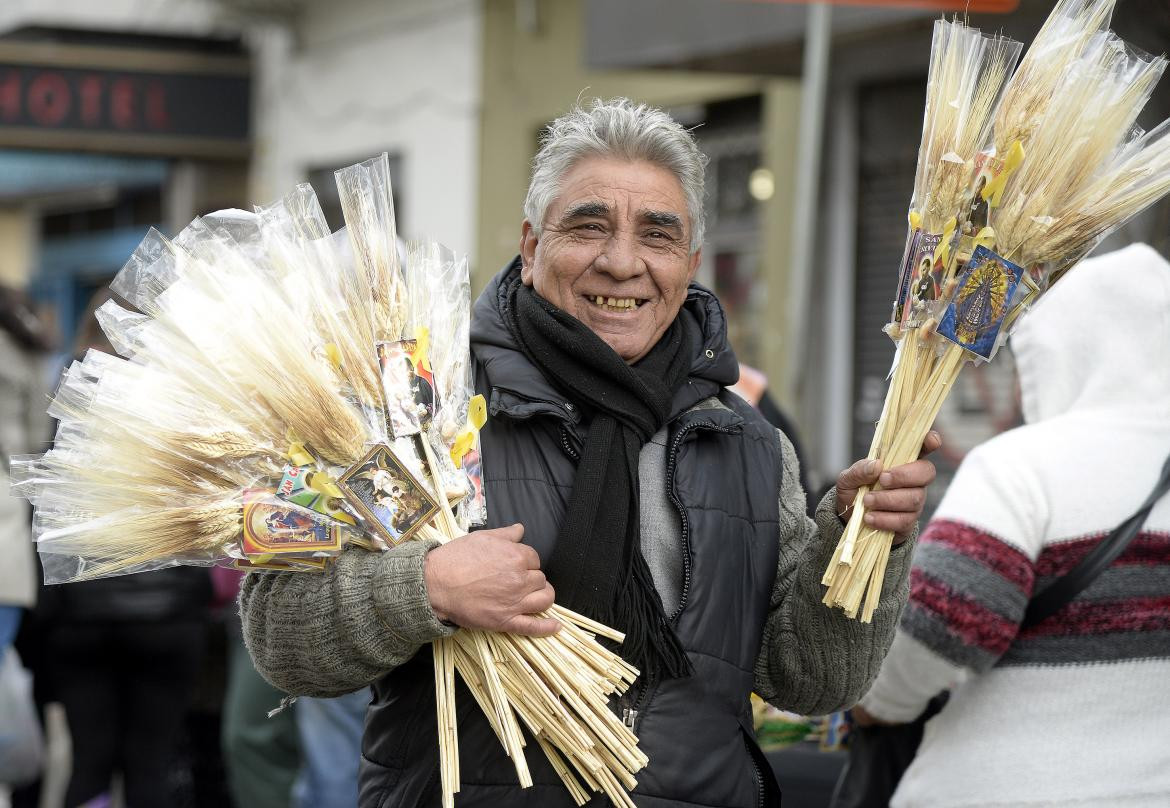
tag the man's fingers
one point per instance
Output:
(918, 474)
(534, 581)
(930, 443)
(894, 522)
(529, 557)
(863, 472)
(537, 601)
(513, 533)
(898, 500)
(530, 625)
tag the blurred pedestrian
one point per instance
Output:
(1072, 709)
(125, 654)
(261, 753)
(330, 732)
(752, 387)
(23, 428)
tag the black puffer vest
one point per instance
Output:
(723, 474)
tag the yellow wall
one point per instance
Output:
(531, 76)
(16, 246)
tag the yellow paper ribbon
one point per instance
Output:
(942, 252)
(993, 191)
(298, 455)
(915, 220)
(318, 481)
(322, 483)
(334, 354)
(420, 356)
(476, 418)
(984, 238)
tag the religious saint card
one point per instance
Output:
(277, 528)
(906, 276)
(408, 384)
(982, 298)
(387, 495)
(925, 275)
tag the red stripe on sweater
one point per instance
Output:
(986, 548)
(1081, 618)
(965, 617)
(1146, 550)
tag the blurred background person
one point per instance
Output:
(124, 656)
(1070, 711)
(330, 732)
(261, 753)
(752, 387)
(23, 429)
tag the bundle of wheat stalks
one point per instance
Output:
(282, 392)
(1020, 175)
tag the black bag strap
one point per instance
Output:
(1061, 591)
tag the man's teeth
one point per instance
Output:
(615, 303)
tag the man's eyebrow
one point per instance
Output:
(662, 218)
(586, 209)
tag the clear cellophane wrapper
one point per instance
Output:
(247, 384)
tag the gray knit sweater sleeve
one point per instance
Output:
(333, 633)
(813, 659)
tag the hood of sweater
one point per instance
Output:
(1100, 339)
(713, 363)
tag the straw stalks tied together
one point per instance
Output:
(559, 687)
(1060, 165)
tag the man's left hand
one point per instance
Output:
(899, 504)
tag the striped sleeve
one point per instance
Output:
(968, 592)
(973, 574)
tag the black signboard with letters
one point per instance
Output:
(90, 98)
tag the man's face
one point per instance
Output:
(619, 233)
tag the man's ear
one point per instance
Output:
(696, 259)
(528, 241)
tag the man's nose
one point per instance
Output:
(619, 258)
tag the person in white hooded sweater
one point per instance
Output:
(1072, 711)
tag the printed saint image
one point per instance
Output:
(408, 385)
(978, 211)
(924, 281)
(985, 290)
(906, 277)
(279, 529)
(382, 489)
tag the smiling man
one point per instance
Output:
(619, 470)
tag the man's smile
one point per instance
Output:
(615, 304)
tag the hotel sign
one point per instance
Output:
(81, 98)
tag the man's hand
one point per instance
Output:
(899, 504)
(489, 580)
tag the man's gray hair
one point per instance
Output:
(616, 128)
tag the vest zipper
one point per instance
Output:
(646, 692)
(569, 450)
(756, 771)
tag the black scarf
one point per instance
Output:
(597, 567)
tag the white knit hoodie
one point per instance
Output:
(1076, 710)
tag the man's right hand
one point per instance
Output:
(489, 580)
